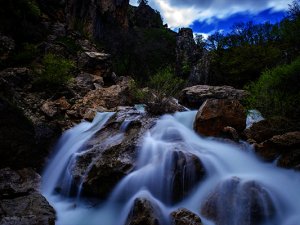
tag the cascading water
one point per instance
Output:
(232, 181)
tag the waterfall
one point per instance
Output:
(177, 168)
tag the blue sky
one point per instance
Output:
(208, 16)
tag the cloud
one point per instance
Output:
(182, 13)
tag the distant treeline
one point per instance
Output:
(241, 55)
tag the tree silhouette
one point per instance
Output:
(142, 2)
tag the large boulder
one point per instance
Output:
(20, 202)
(216, 114)
(195, 96)
(31, 209)
(144, 212)
(285, 148)
(184, 217)
(237, 202)
(266, 129)
(111, 153)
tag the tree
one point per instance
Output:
(142, 2)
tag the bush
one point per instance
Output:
(277, 91)
(56, 70)
(165, 83)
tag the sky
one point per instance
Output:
(209, 16)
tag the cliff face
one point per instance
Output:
(94, 17)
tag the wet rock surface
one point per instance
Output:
(216, 114)
(195, 96)
(238, 202)
(144, 212)
(111, 153)
(184, 217)
(184, 173)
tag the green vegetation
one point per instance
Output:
(56, 70)
(165, 83)
(277, 91)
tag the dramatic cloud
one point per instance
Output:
(182, 13)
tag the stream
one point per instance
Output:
(236, 184)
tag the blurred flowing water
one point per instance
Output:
(229, 168)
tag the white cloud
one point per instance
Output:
(182, 13)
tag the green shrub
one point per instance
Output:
(277, 91)
(138, 94)
(165, 83)
(56, 70)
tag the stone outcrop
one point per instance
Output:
(144, 212)
(250, 199)
(184, 217)
(216, 114)
(144, 16)
(195, 96)
(20, 202)
(7, 45)
(111, 153)
(94, 18)
(285, 148)
(186, 52)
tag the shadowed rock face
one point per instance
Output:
(20, 202)
(236, 202)
(96, 17)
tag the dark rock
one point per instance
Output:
(185, 52)
(86, 82)
(184, 172)
(20, 202)
(18, 183)
(200, 72)
(146, 17)
(237, 202)
(266, 129)
(7, 45)
(164, 106)
(95, 18)
(31, 209)
(144, 212)
(111, 153)
(216, 114)
(195, 96)
(185, 217)
(285, 147)
(17, 138)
